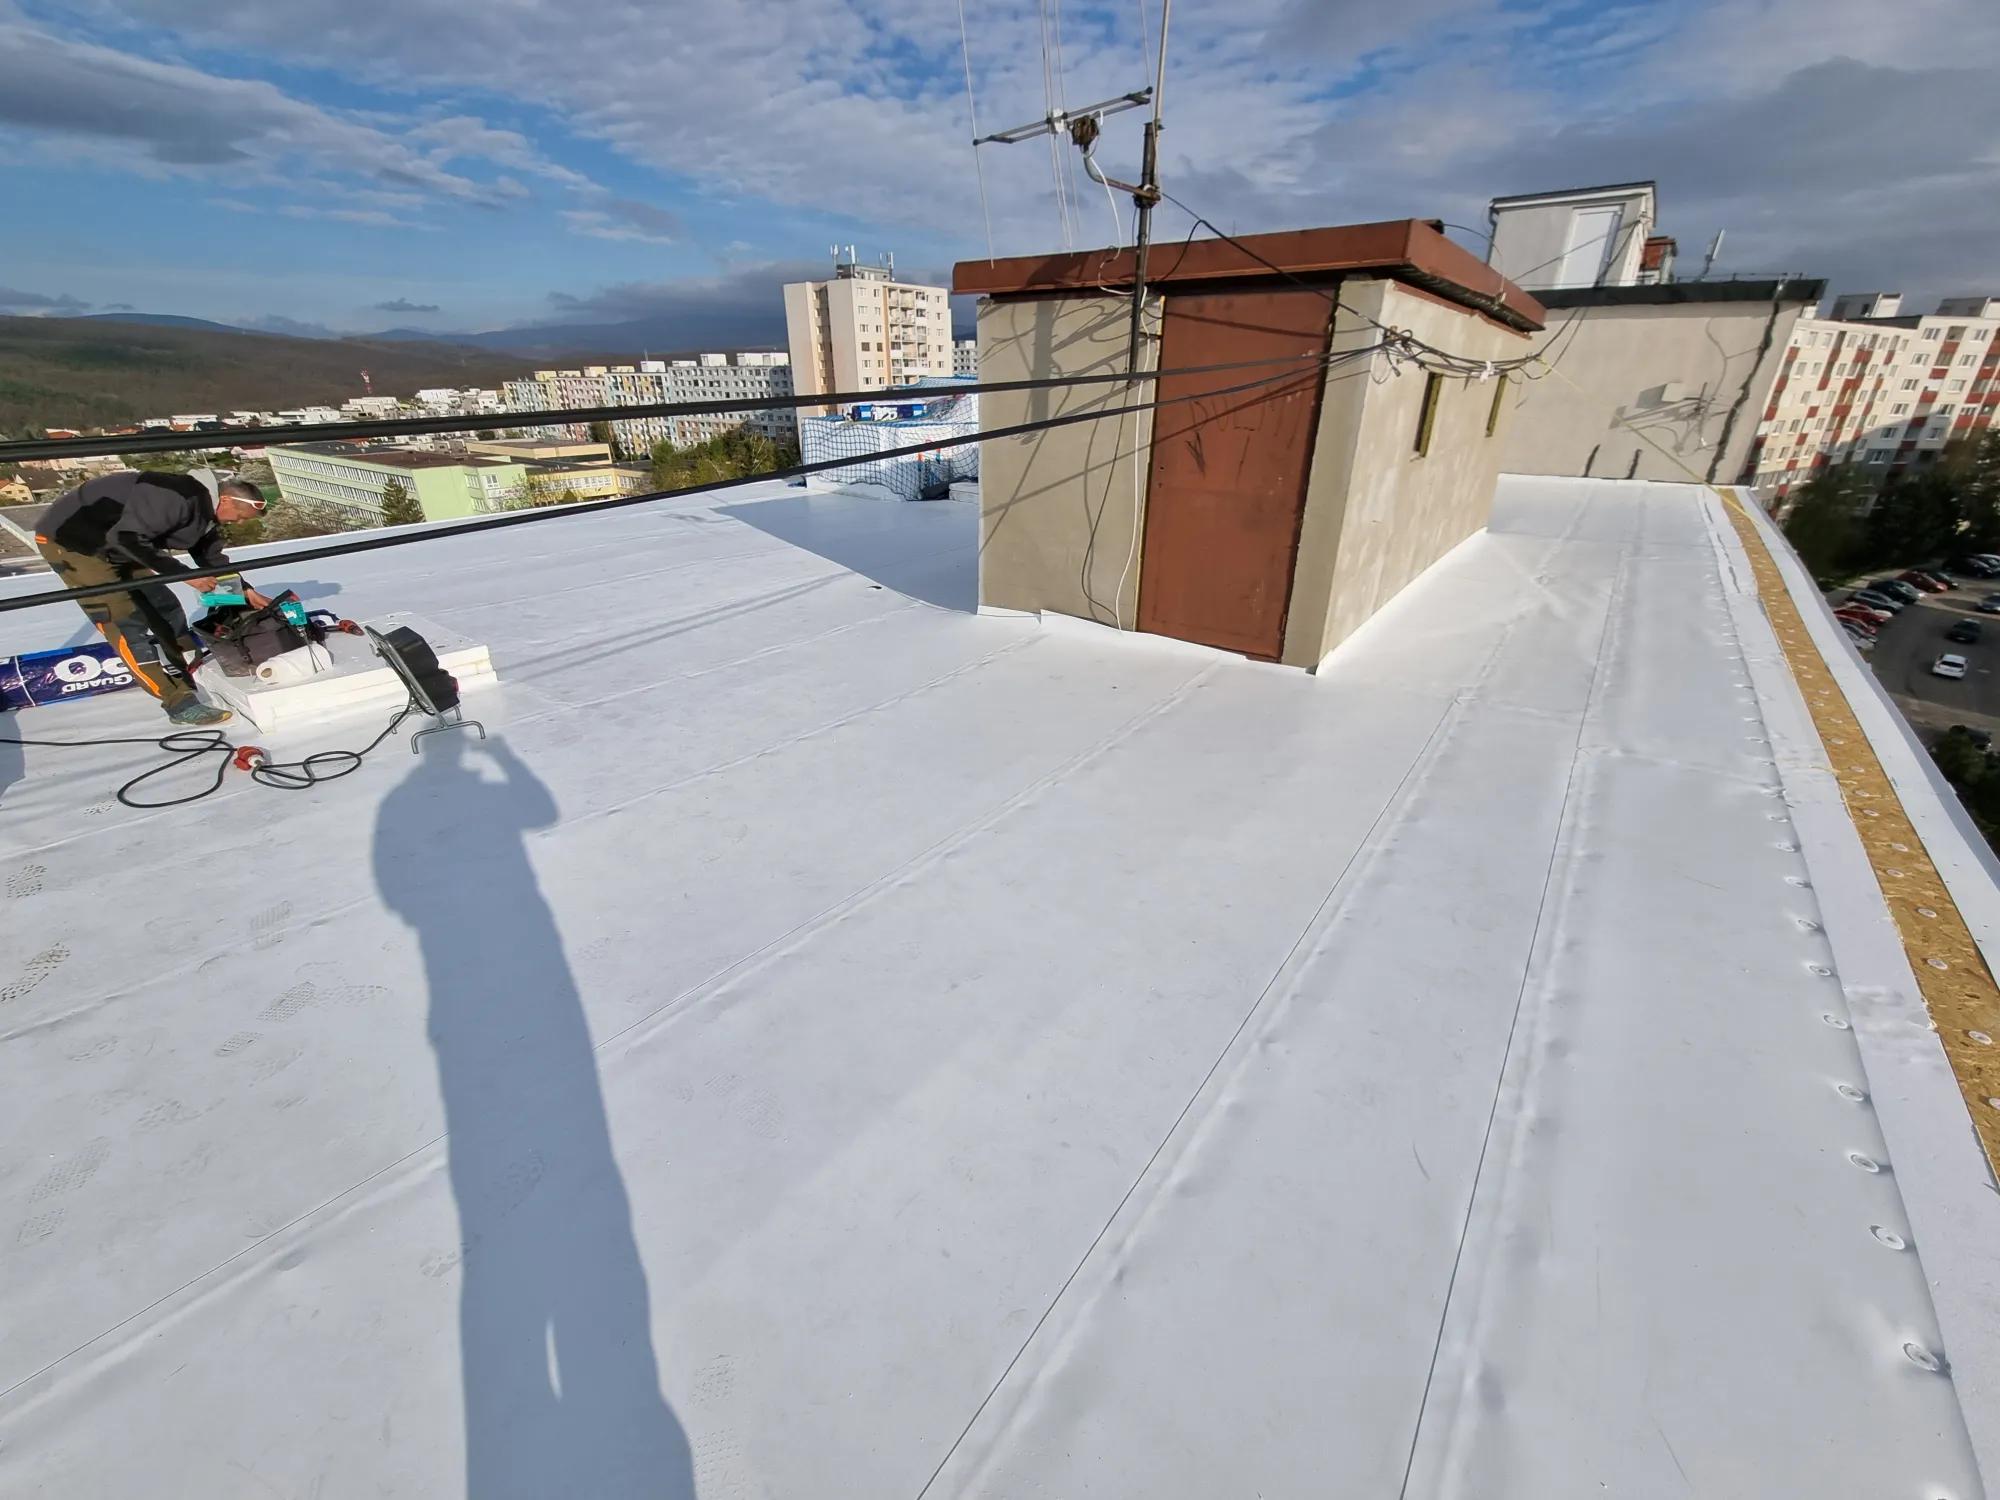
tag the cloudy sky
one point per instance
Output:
(357, 165)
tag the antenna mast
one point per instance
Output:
(1083, 126)
(1146, 195)
(1714, 249)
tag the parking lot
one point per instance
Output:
(1906, 646)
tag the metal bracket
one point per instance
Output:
(1056, 120)
(444, 725)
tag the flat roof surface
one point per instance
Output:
(1644, 185)
(825, 1041)
(394, 458)
(1669, 293)
(1412, 250)
(529, 445)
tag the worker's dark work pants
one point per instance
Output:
(145, 623)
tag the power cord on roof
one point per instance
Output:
(189, 745)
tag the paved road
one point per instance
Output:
(1908, 644)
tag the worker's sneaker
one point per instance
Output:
(196, 714)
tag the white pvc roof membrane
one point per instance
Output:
(827, 1042)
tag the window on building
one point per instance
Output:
(1901, 408)
(1930, 333)
(1909, 385)
(1955, 386)
(1427, 413)
(1968, 359)
(1956, 331)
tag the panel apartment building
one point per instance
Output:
(1885, 391)
(863, 330)
(344, 481)
(745, 376)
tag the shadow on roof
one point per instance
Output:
(12, 758)
(926, 549)
(561, 1384)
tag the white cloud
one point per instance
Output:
(188, 121)
(371, 218)
(113, 108)
(1279, 112)
(600, 226)
(624, 219)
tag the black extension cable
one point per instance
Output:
(186, 746)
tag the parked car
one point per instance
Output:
(1990, 605)
(1856, 625)
(1863, 641)
(1861, 612)
(1966, 631)
(1949, 665)
(1929, 582)
(1896, 588)
(1877, 601)
(1978, 567)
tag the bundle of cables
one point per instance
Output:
(184, 747)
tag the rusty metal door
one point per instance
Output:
(1227, 488)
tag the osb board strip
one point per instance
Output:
(1963, 1000)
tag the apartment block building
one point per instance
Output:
(345, 481)
(863, 330)
(1887, 392)
(538, 393)
(732, 377)
(965, 357)
(744, 376)
(469, 401)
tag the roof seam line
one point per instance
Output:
(1559, 852)
(923, 857)
(1286, 967)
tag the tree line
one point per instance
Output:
(739, 454)
(1844, 521)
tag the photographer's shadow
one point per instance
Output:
(562, 1394)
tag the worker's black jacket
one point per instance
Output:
(138, 517)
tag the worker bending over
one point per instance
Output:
(121, 527)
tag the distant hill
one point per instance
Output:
(89, 372)
(158, 320)
(692, 329)
(417, 336)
